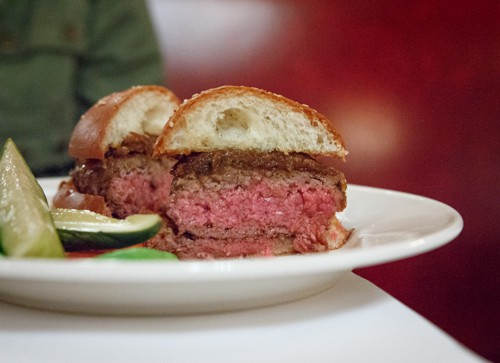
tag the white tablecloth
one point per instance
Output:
(352, 322)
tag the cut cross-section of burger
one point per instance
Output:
(247, 182)
(112, 143)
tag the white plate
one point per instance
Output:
(388, 226)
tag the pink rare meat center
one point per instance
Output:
(137, 192)
(298, 208)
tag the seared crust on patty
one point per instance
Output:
(211, 162)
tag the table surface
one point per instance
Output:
(354, 321)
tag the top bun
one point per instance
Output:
(247, 118)
(140, 109)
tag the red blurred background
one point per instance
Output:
(413, 88)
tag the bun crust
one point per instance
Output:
(140, 109)
(247, 118)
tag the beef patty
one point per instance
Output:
(240, 203)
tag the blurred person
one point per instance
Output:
(57, 58)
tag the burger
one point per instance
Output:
(112, 144)
(247, 181)
(233, 171)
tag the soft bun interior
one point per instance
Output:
(248, 119)
(146, 113)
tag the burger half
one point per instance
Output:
(246, 181)
(115, 173)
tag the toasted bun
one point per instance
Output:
(140, 109)
(247, 118)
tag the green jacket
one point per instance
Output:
(57, 58)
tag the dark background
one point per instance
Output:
(413, 88)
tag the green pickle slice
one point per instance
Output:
(82, 230)
(26, 225)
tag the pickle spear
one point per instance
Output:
(26, 225)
